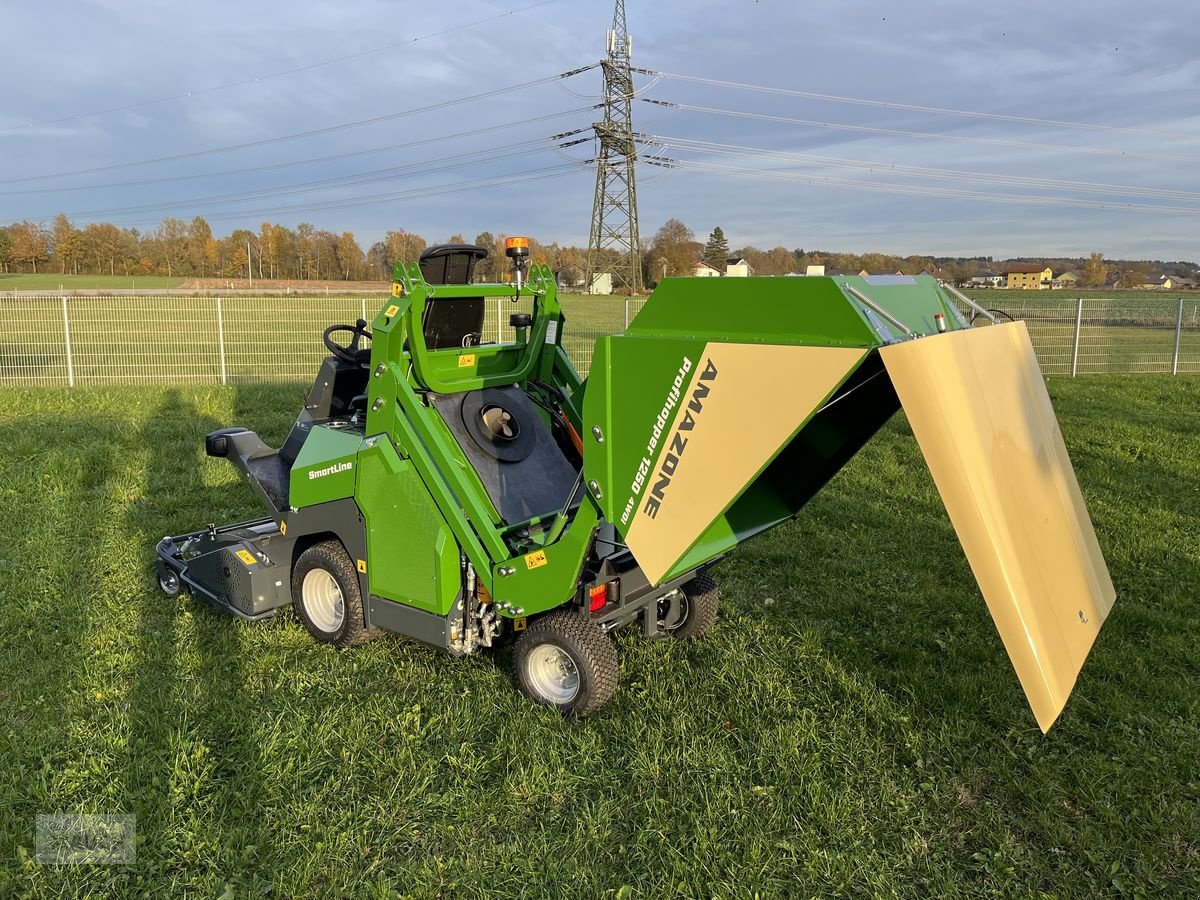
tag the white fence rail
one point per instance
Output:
(62, 340)
(53, 339)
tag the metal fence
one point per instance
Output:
(64, 340)
(54, 339)
(1093, 335)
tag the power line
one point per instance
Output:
(554, 171)
(958, 138)
(522, 123)
(488, 154)
(926, 191)
(914, 107)
(280, 74)
(374, 120)
(1088, 187)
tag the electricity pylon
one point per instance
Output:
(613, 243)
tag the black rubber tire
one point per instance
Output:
(590, 649)
(703, 598)
(170, 583)
(332, 557)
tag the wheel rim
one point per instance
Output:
(552, 674)
(169, 583)
(322, 599)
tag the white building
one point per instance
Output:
(601, 283)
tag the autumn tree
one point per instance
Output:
(485, 269)
(30, 245)
(672, 251)
(349, 256)
(5, 249)
(199, 253)
(716, 251)
(1094, 271)
(67, 245)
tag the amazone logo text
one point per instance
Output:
(680, 440)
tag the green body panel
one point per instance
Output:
(633, 378)
(325, 467)
(810, 311)
(412, 553)
(535, 588)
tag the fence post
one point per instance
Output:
(364, 309)
(1178, 334)
(1078, 326)
(67, 342)
(499, 320)
(221, 338)
(626, 312)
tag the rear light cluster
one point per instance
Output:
(598, 596)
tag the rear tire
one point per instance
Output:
(565, 661)
(326, 597)
(702, 598)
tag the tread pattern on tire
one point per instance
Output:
(588, 644)
(703, 600)
(331, 556)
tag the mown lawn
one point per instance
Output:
(850, 728)
(53, 282)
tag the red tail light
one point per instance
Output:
(598, 596)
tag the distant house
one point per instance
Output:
(1158, 281)
(1184, 284)
(1028, 277)
(703, 270)
(736, 267)
(1067, 279)
(986, 280)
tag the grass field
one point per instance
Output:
(53, 282)
(850, 728)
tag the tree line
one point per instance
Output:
(178, 248)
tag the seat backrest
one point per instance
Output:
(452, 322)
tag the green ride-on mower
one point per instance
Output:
(465, 492)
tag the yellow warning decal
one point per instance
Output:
(535, 560)
(391, 311)
(247, 557)
(519, 624)
(467, 359)
(283, 527)
(362, 566)
(397, 289)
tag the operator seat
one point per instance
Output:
(452, 322)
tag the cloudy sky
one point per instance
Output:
(80, 130)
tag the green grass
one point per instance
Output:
(52, 282)
(850, 728)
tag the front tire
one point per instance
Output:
(565, 661)
(326, 597)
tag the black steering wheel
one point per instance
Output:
(349, 353)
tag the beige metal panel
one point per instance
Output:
(743, 403)
(981, 414)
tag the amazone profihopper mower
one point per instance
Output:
(465, 492)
